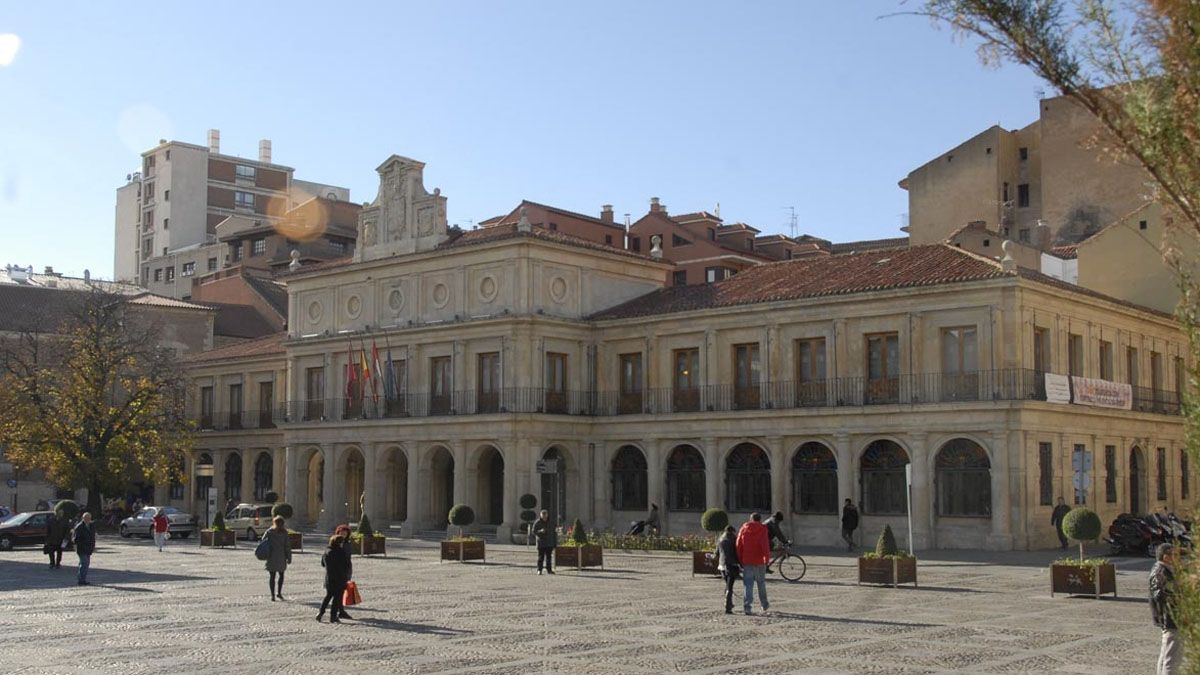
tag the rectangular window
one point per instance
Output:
(960, 364)
(686, 379)
(1184, 478)
(258, 247)
(1156, 374)
(147, 248)
(710, 274)
(1106, 360)
(170, 274)
(1004, 195)
(1075, 355)
(810, 371)
(440, 385)
(314, 393)
(235, 251)
(1023, 153)
(1180, 375)
(212, 264)
(883, 368)
(397, 398)
(1041, 350)
(1023, 195)
(1110, 474)
(206, 407)
(243, 200)
(1161, 482)
(166, 223)
(166, 195)
(746, 374)
(1046, 473)
(635, 244)
(1078, 458)
(1131, 366)
(608, 240)
(631, 383)
(266, 405)
(246, 172)
(235, 406)
(679, 278)
(487, 379)
(189, 269)
(158, 274)
(556, 382)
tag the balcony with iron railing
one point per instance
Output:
(841, 392)
(246, 419)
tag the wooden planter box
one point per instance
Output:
(216, 539)
(705, 562)
(296, 541)
(371, 546)
(579, 557)
(463, 551)
(887, 571)
(1093, 580)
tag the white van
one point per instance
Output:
(249, 520)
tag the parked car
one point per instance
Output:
(249, 520)
(179, 524)
(24, 528)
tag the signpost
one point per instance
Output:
(210, 506)
(550, 466)
(908, 492)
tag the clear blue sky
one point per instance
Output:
(759, 106)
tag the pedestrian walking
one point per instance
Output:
(348, 547)
(337, 572)
(727, 563)
(56, 532)
(849, 523)
(547, 539)
(1162, 609)
(279, 556)
(754, 552)
(84, 536)
(161, 528)
(1056, 519)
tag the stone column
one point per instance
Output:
(249, 458)
(512, 509)
(779, 475)
(846, 469)
(219, 457)
(333, 508)
(1001, 535)
(600, 499)
(712, 473)
(464, 476)
(292, 486)
(656, 479)
(418, 476)
(278, 471)
(922, 497)
(371, 484)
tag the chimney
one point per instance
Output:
(264, 150)
(87, 275)
(606, 213)
(49, 271)
(214, 141)
(654, 207)
(1041, 236)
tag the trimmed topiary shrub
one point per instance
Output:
(66, 509)
(1082, 524)
(462, 516)
(527, 502)
(714, 520)
(282, 509)
(364, 526)
(218, 522)
(577, 534)
(271, 497)
(886, 546)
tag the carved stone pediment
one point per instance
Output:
(404, 218)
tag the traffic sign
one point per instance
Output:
(12, 483)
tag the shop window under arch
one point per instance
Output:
(814, 480)
(964, 480)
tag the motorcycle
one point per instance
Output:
(1141, 535)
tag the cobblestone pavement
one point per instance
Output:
(192, 610)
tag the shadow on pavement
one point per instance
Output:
(21, 575)
(835, 619)
(419, 628)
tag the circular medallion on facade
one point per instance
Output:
(395, 300)
(488, 289)
(441, 295)
(353, 306)
(558, 289)
(315, 311)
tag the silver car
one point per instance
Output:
(180, 524)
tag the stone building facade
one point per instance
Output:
(790, 386)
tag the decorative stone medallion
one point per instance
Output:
(315, 311)
(353, 307)
(558, 290)
(395, 299)
(488, 289)
(441, 295)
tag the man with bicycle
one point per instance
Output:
(775, 538)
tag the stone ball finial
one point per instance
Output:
(295, 264)
(1007, 263)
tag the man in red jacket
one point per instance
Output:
(754, 552)
(161, 527)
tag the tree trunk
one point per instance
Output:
(93, 500)
(1081, 551)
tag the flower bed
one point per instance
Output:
(370, 545)
(218, 538)
(687, 542)
(295, 540)
(463, 549)
(571, 554)
(888, 570)
(705, 562)
(1093, 576)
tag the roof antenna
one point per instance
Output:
(792, 220)
(718, 213)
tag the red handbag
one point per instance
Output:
(350, 596)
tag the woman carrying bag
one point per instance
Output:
(336, 562)
(278, 555)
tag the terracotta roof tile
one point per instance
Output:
(1067, 252)
(868, 245)
(486, 235)
(270, 345)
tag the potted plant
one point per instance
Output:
(271, 497)
(887, 565)
(367, 541)
(528, 502)
(1086, 576)
(463, 548)
(284, 509)
(714, 520)
(218, 534)
(577, 552)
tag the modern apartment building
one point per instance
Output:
(517, 359)
(168, 213)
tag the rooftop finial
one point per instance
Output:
(295, 264)
(656, 247)
(523, 225)
(1007, 263)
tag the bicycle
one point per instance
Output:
(791, 566)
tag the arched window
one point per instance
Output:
(177, 479)
(748, 479)
(263, 470)
(814, 480)
(883, 487)
(685, 479)
(629, 480)
(964, 480)
(233, 477)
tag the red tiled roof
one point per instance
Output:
(486, 235)
(515, 215)
(1067, 252)
(269, 345)
(868, 245)
(817, 276)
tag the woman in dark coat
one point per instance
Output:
(727, 564)
(336, 562)
(56, 532)
(280, 555)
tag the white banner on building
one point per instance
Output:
(1058, 388)
(1102, 393)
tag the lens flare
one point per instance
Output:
(10, 44)
(142, 126)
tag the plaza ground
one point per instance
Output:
(192, 610)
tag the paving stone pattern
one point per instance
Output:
(193, 610)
